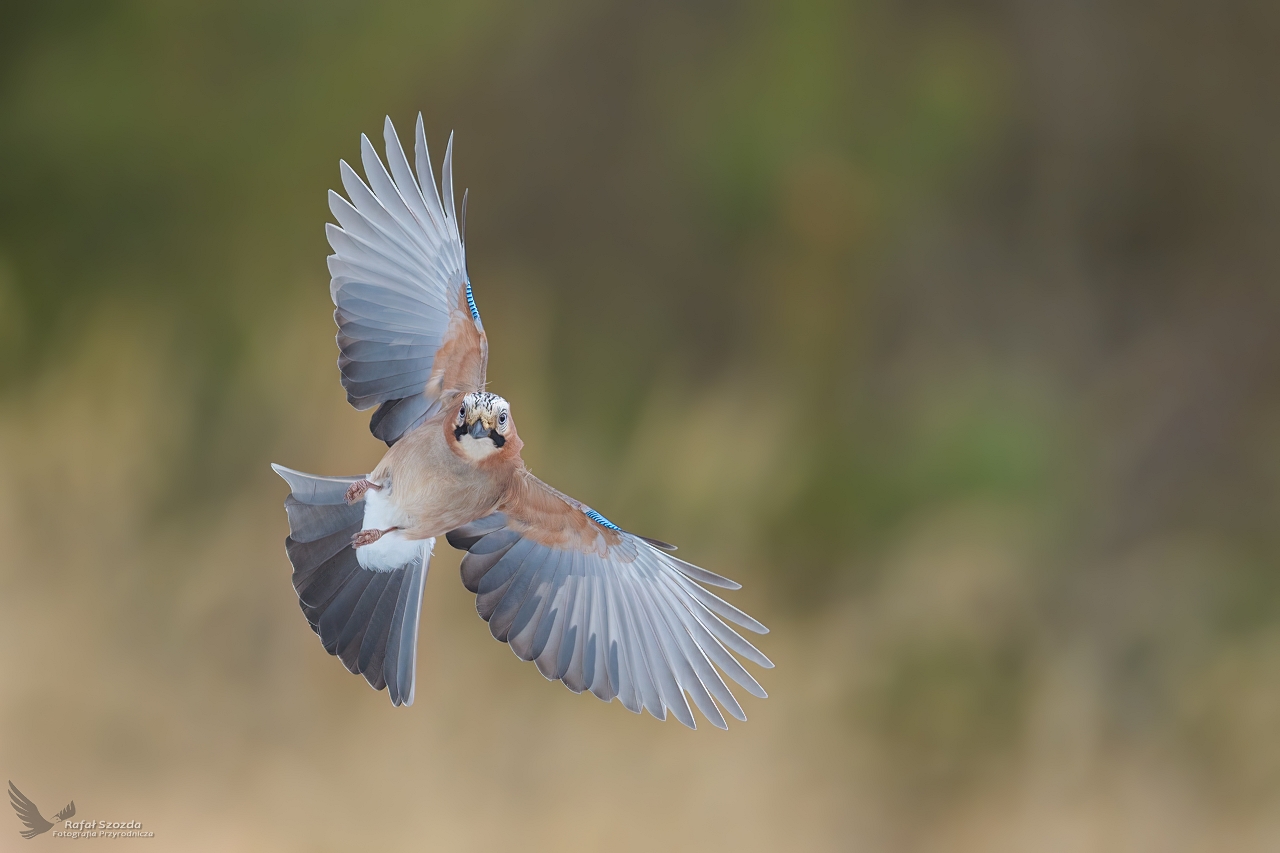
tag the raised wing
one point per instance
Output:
(28, 813)
(408, 330)
(603, 610)
(67, 812)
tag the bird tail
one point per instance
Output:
(368, 619)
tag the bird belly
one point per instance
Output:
(393, 549)
(442, 503)
(430, 489)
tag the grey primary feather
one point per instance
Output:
(575, 633)
(525, 625)
(658, 543)
(368, 333)
(698, 573)
(495, 583)
(396, 417)
(368, 619)
(658, 670)
(397, 268)
(595, 644)
(720, 606)
(687, 636)
(422, 158)
(533, 640)
(367, 371)
(679, 666)
(466, 536)
(621, 665)
(504, 613)
(362, 351)
(632, 623)
(558, 648)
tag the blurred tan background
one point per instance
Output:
(950, 330)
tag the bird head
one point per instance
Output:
(482, 424)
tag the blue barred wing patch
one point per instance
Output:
(471, 302)
(599, 519)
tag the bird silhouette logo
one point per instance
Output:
(30, 815)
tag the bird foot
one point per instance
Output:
(366, 537)
(356, 490)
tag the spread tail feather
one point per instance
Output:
(368, 619)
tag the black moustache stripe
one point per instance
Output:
(497, 440)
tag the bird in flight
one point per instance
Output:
(593, 606)
(30, 815)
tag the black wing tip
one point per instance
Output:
(462, 223)
(657, 543)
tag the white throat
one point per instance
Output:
(476, 449)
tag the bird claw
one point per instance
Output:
(355, 492)
(366, 537)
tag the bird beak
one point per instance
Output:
(478, 430)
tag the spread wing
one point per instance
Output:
(408, 330)
(603, 610)
(28, 813)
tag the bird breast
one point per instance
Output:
(430, 489)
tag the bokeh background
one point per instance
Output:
(951, 329)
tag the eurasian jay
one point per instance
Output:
(592, 605)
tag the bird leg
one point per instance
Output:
(368, 537)
(356, 490)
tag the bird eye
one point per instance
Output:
(502, 418)
(462, 414)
